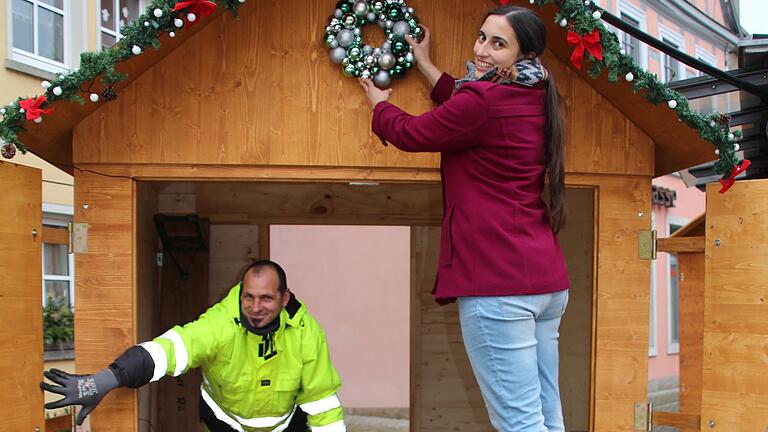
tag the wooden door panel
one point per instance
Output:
(735, 376)
(21, 311)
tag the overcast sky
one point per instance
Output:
(754, 15)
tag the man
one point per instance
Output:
(264, 360)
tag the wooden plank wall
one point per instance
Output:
(21, 314)
(278, 100)
(691, 333)
(105, 320)
(735, 309)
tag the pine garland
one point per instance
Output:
(583, 17)
(579, 16)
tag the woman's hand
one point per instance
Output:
(420, 49)
(373, 93)
(421, 54)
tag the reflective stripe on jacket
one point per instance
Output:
(253, 382)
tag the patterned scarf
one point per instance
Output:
(527, 72)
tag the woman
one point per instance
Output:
(499, 134)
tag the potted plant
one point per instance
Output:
(58, 325)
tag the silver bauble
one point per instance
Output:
(376, 52)
(335, 21)
(389, 24)
(382, 79)
(371, 17)
(360, 8)
(401, 29)
(387, 60)
(345, 61)
(345, 37)
(386, 46)
(339, 13)
(365, 73)
(334, 43)
(338, 54)
(367, 49)
(369, 60)
(357, 31)
(409, 57)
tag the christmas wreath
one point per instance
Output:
(392, 59)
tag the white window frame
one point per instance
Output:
(705, 56)
(32, 58)
(116, 33)
(679, 40)
(652, 326)
(637, 14)
(673, 347)
(58, 215)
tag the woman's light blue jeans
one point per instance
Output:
(512, 346)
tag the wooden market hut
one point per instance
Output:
(245, 121)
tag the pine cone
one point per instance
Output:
(9, 151)
(109, 94)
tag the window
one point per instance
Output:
(630, 45)
(58, 269)
(671, 69)
(709, 104)
(38, 33)
(673, 291)
(636, 18)
(114, 15)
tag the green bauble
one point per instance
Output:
(418, 33)
(399, 48)
(344, 6)
(358, 73)
(394, 12)
(349, 21)
(349, 70)
(329, 40)
(374, 69)
(397, 72)
(408, 65)
(355, 53)
(378, 6)
(413, 23)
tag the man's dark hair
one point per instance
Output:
(257, 266)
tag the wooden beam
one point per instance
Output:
(679, 420)
(55, 235)
(681, 244)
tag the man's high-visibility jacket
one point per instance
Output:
(253, 382)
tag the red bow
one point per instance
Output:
(589, 42)
(503, 2)
(201, 8)
(32, 107)
(734, 172)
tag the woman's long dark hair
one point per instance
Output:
(532, 38)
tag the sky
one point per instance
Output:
(754, 16)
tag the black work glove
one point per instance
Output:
(85, 390)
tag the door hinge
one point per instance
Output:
(643, 417)
(159, 259)
(78, 237)
(646, 244)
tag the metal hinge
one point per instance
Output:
(643, 416)
(159, 259)
(78, 237)
(646, 244)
